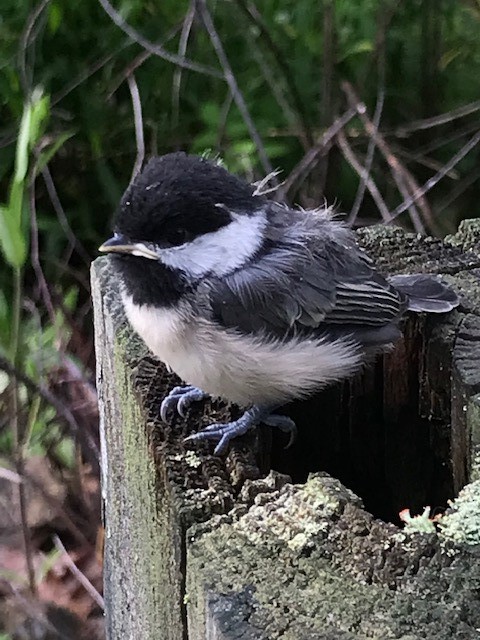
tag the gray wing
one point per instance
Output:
(302, 286)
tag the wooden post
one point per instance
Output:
(199, 547)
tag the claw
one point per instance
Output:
(285, 424)
(225, 432)
(179, 399)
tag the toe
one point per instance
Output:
(285, 424)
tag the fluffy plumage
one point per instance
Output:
(247, 299)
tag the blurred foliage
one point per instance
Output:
(64, 69)
(68, 146)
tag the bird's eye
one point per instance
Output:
(178, 236)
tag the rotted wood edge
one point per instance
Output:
(197, 547)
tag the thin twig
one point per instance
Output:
(222, 120)
(431, 182)
(24, 43)
(156, 49)
(369, 158)
(62, 411)
(177, 75)
(130, 68)
(138, 120)
(34, 254)
(82, 578)
(11, 476)
(277, 88)
(56, 506)
(353, 161)
(318, 178)
(232, 83)
(384, 16)
(387, 13)
(311, 157)
(442, 141)
(400, 174)
(138, 61)
(87, 73)
(62, 217)
(457, 191)
(18, 450)
(424, 161)
(34, 610)
(251, 11)
(435, 121)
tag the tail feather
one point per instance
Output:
(425, 292)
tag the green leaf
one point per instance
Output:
(448, 57)
(21, 155)
(40, 111)
(55, 14)
(362, 46)
(12, 241)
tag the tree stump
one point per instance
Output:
(267, 543)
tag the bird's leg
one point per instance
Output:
(225, 432)
(179, 399)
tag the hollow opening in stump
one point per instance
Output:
(386, 434)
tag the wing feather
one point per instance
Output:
(306, 284)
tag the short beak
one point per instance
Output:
(119, 244)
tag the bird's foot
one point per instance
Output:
(225, 432)
(179, 400)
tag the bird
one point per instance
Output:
(247, 299)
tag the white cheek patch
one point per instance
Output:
(219, 252)
(142, 251)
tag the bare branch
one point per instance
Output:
(34, 255)
(369, 158)
(25, 531)
(62, 217)
(431, 182)
(222, 120)
(138, 120)
(352, 160)
(277, 88)
(424, 161)
(81, 577)
(232, 83)
(443, 118)
(400, 174)
(11, 476)
(442, 141)
(251, 11)
(56, 506)
(182, 50)
(156, 49)
(129, 69)
(321, 146)
(138, 61)
(89, 71)
(457, 191)
(25, 41)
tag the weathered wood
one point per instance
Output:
(201, 547)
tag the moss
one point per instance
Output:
(467, 237)
(461, 524)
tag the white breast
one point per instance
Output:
(242, 369)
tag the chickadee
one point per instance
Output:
(249, 300)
